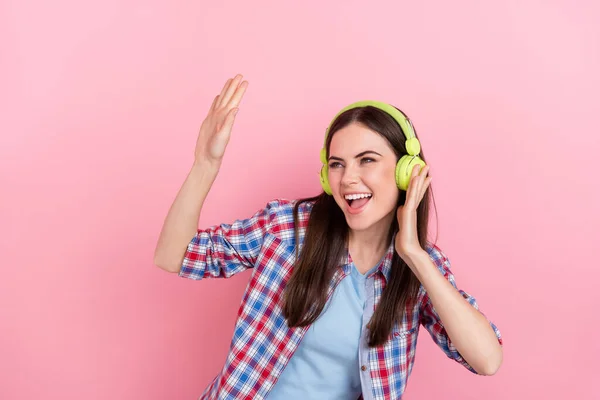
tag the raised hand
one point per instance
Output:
(215, 130)
(407, 239)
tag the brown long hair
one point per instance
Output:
(305, 295)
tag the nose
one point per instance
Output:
(350, 176)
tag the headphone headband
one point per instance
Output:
(413, 146)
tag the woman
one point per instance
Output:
(340, 282)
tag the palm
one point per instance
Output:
(215, 130)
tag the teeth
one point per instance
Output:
(357, 196)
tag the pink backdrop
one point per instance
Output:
(100, 106)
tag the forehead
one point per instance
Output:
(355, 138)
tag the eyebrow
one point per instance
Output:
(356, 156)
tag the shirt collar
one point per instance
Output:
(385, 263)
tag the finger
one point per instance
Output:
(422, 185)
(223, 91)
(214, 104)
(424, 188)
(229, 120)
(232, 87)
(237, 96)
(410, 192)
(427, 183)
(420, 174)
(425, 173)
(421, 181)
(413, 176)
(414, 180)
(415, 171)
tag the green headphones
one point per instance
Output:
(405, 164)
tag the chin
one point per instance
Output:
(358, 224)
(367, 219)
(362, 221)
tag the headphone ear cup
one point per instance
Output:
(325, 179)
(404, 169)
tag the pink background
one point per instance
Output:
(100, 107)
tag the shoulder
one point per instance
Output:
(280, 212)
(283, 207)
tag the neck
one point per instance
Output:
(372, 241)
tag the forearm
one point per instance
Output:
(181, 223)
(467, 328)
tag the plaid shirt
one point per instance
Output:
(262, 342)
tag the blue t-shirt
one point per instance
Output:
(326, 363)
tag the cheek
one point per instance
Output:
(384, 179)
(388, 196)
(384, 186)
(334, 182)
(333, 176)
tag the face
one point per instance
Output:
(362, 168)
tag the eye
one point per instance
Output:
(367, 160)
(334, 164)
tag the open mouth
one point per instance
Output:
(357, 201)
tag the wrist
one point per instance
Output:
(203, 174)
(409, 255)
(417, 259)
(206, 166)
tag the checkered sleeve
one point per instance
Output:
(223, 250)
(431, 320)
